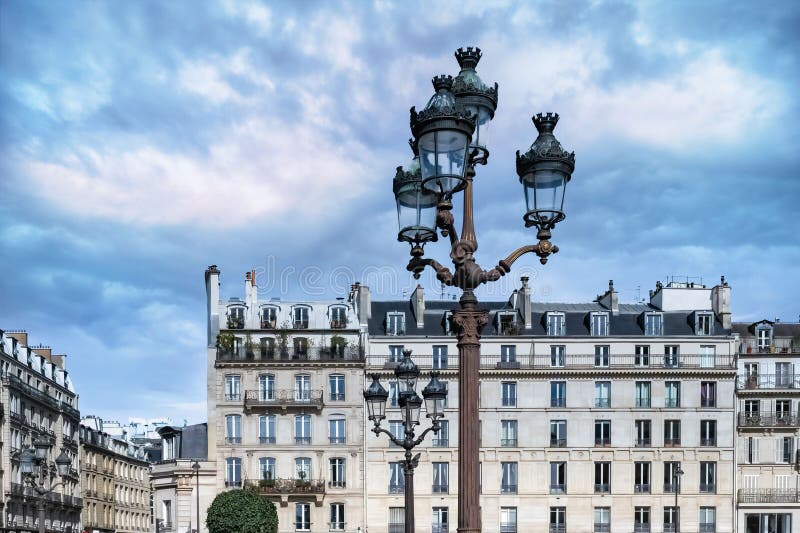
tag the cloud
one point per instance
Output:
(214, 79)
(255, 13)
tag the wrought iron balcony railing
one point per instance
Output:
(768, 381)
(708, 488)
(775, 346)
(508, 488)
(284, 399)
(242, 354)
(558, 443)
(641, 488)
(602, 488)
(396, 488)
(768, 496)
(643, 443)
(768, 419)
(287, 486)
(508, 443)
(440, 442)
(602, 402)
(672, 442)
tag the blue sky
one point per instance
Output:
(142, 141)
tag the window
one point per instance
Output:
(708, 477)
(601, 355)
(338, 317)
(708, 519)
(508, 483)
(558, 433)
(302, 388)
(233, 426)
(558, 394)
(337, 516)
(233, 472)
(506, 324)
(708, 356)
(336, 431)
(641, 477)
(653, 323)
(672, 432)
(338, 468)
(169, 444)
(394, 394)
(672, 478)
(599, 324)
(555, 324)
(558, 519)
(266, 429)
(302, 429)
(397, 430)
(764, 336)
(442, 439)
(643, 433)
(300, 317)
(266, 468)
(642, 394)
(166, 512)
(440, 521)
(785, 448)
(672, 394)
(508, 520)
(395, 353)
(302, 517)
(602, 394)
(397, 519)
(302, 468)
(708, 394)
(641, 520)
(704, 324)
(269, 317)
(236, 317)
(752, 450)
(558, 477)
(641, 355)
(232, 388)
(672, 356)
(602, 432)
(508, 354)
(336, 383)
(441, 478)
(266, 387)
(783, 375)
(670, 519)
(397, 480)
(440, 357)
(768, 523)
(708, 433)
(509, 393)
(602, 477)
(558, 357)
(395, 323)
(602, 519)
(508, 433)
(446, 386)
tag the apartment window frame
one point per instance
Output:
(266, 468)
(704, 324)
(442, 438)
(644, 433)
(558, 477)
(397, 479)
(302, 464)
(300, 316)
(708, 519)
(440, 519)
(602, 433)
(302, 516)
(641, 519)
(708, 394)
(671, 518)
(440, 361)
(302, 387)
(602, 477)
(599, 324)
(556, 324)
(266, 387)
(509, 477)
(233, 472)
(337, 429)
(233, 429)
(602, 519)
(337, 521)
(708, 477)
(337, 470)
(641, 355)
(672, 432)
(509, 433)
(233, 387)
(672, 394)
(337, 386)
(602, 355)
(509, 393)
(508, 353)
(302, 428)
(558, 394)
(557, 427)
(642, 477)
(672, 356)
(672, 483)
(441, 477)
(654, 324)
(266, 429)
(508, 519)
(644, 394)
(708, 433)
(395, 323)
(558, 519)
(558, 356)
(602, 394)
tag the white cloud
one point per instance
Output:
(210, 78)
(255, 13)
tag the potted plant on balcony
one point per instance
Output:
(338, 345)
(301, 483)
(752, 381)
(282, 339)
(267, 482)
(225, 343)
(249, 347)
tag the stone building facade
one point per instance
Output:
(768, 426)
(38, 398)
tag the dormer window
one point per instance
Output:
(269, 317)
(338, 317)
(170, 448)
(447, 322)
(236, 317)
(395, 323)
(507, 324)
(599, 324)
(764, 337)
(653, 324)
(556, 326)
(300, 317)
(704, 324)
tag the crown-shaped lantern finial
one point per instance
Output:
(442, 81)
(545, 123)
(468, 57)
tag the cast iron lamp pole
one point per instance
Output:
(676, 478)
(449, 141)
(196, 468)
(410, 404)
(34, 470)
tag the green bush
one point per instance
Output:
(241, 511)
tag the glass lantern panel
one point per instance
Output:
(481, 125)
(544, 191)
(442, 159)
(416, 212)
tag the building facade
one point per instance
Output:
(588, 412)
(38, 398)
(285, 412)
(768, 398)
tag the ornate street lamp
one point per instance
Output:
(410, 404)
(196, 468)
(676, 479)
(450, 138)
(35, 472)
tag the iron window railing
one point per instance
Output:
(602, 441)
(266, 440)
(558, 488)
(768, 496)
(233, 440)
(672, 488)
(302, 440)
(641, 488)
(558, 443)
(336, 440)
(558, 402)
(441, 488)
(641, 528)
(396, 488)
(558, 528)
(602, 488)
(508, 528)
(508, 488)
(708, 527)
(643, 443)
(602, 528)
(508, 443)
(672, 441)
(709, 441)
(708, 488)
(440, 443)
(602, 402)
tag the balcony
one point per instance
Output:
(300, 324)
(768, 382)
(337, 484)
(288, 486)
(776, 346)
(242, 354)
(768, 496)
(575, 362)
(36, 394)
(233, 397)
(508, 443)
(768, 419)
(235, 322)
(284, 399)
(339, 324)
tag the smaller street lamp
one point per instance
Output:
(676, 478)
(34, 469)
(410, 403)
(196, 468)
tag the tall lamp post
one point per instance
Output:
(410, 404)
(36, 472)
(676, 479)
(449, 140)
(196, 468)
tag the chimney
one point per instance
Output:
(44, 351)
(363, 303)
(524, 302)
(251, 292)
(418, 305)
(721, 302)
(610, 300)
(212, 303)
(60, 360)
(21, 336)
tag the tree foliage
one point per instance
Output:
(241, 511)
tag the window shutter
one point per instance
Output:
(778, 449)
(741, 450)
(751, 482)
(755, 450)
(782, 482)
